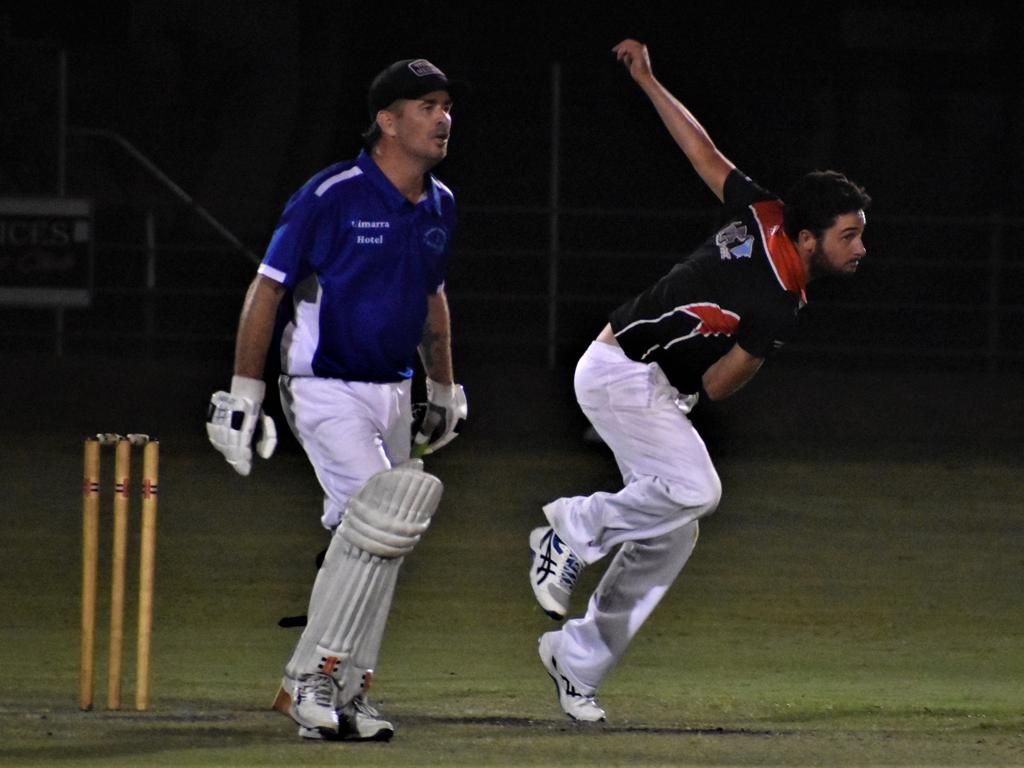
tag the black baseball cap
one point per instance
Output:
(409, 79)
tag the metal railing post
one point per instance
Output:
(553, 215)
(149, 308)
(62, 123)
(58, 331)
(995, 268)
(62, 178)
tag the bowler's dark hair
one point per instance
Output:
(816, 200)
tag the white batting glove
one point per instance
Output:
(440, 419)
(232, 420)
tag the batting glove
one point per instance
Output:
(438, 420)
(232, 420)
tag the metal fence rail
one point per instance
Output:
(536, 282)
(910, 305)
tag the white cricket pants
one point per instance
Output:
(670, 482)
(350, 430)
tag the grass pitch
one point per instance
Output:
(841, 609)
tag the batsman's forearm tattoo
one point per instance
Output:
(435, 352)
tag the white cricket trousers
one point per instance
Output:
(669, 483)
(350, 430)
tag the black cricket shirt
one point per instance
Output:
(743, 285)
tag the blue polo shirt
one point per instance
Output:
(360, 261)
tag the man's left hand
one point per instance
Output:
(439, 419)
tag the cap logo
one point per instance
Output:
(423, 68)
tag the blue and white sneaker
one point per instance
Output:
(554, 569)
(572, 698)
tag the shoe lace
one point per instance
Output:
(361, 705)
(570, 571)
(320, 688)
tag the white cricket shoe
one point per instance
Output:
(576, 704)
(309, 701)
(554, 569)
(357, 721)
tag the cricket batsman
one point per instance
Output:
(358, 262)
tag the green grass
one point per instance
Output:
(837, 613)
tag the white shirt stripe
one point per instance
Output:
(301, 336)
(274, 274)
(330, 181)
(440, 184)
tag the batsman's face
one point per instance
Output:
(841, 246)
(423, 126)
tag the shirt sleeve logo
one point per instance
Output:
(435, 239)
(733, 242)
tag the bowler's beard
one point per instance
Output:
(822, 267)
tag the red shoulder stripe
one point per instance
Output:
(782, 255)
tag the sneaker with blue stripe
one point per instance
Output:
(554, 569)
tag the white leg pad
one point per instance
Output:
(352, 596)
(391, 511)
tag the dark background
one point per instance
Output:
(240, 102)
